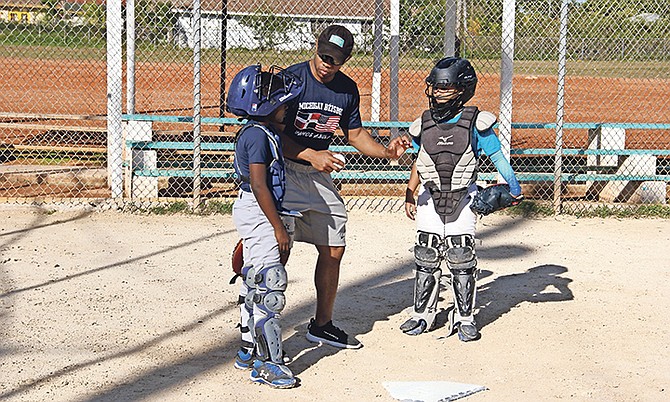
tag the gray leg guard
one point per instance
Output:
(426, 284)
(462, 263)
(269, 301)
(246, 303)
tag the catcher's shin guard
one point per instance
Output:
(246, 303)
(269, 301)
(426, 284)
(462, 264)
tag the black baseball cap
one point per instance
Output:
(337, 42)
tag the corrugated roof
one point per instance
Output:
(344, 8)
(89, 1)
(21, 3)
(322, 8)
(38, 3)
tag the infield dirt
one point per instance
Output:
(104, 306)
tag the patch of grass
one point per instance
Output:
(211, 207)
(171, 208)
(632, 211)
(217, 208)
(531, 209)
(543, 209)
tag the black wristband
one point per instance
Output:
(409, 195)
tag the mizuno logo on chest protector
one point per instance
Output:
(445, 140)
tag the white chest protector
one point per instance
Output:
(446, 162)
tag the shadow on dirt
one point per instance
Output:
(382, 296)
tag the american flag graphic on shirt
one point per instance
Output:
(318, 122)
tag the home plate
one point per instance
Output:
(430, 391)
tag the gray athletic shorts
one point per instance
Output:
(324, 216)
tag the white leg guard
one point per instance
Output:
(462, 264)
(269, 301)
(246, 303)
(426, 284)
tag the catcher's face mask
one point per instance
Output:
(258, 93)
(443, 94)
(449, 73)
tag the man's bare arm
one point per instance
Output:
(361, 139)
(323, 161)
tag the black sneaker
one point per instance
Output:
(331, 335)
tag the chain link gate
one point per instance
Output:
(588, 105)
(599, 138)
(52, 101)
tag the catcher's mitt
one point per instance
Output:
(237, 261)
(493, 198)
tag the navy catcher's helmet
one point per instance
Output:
(450, 72)
(257, 93)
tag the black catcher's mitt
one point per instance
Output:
(493, 198)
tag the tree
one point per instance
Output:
(52, 14)
(93, 14)
(593, 18)
(269, 29)
(154, 20)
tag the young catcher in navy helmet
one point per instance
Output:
(260, 97)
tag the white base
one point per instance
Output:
(430, 391)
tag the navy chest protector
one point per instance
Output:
(276, 178)
(446, 163)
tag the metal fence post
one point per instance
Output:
(114, 102)
(223, 62)
(196, 103)
(130, 56)
(450, 28)
(560, 110)
(395, 64)
(506, 75)
(377, 55)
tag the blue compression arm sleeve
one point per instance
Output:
(488, 142)
(506, 171)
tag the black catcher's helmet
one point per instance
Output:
(450, 72)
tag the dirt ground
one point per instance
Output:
(78, 87)
(105, 306)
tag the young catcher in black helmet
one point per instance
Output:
(450, 137)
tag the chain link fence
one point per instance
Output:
(124, 103)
